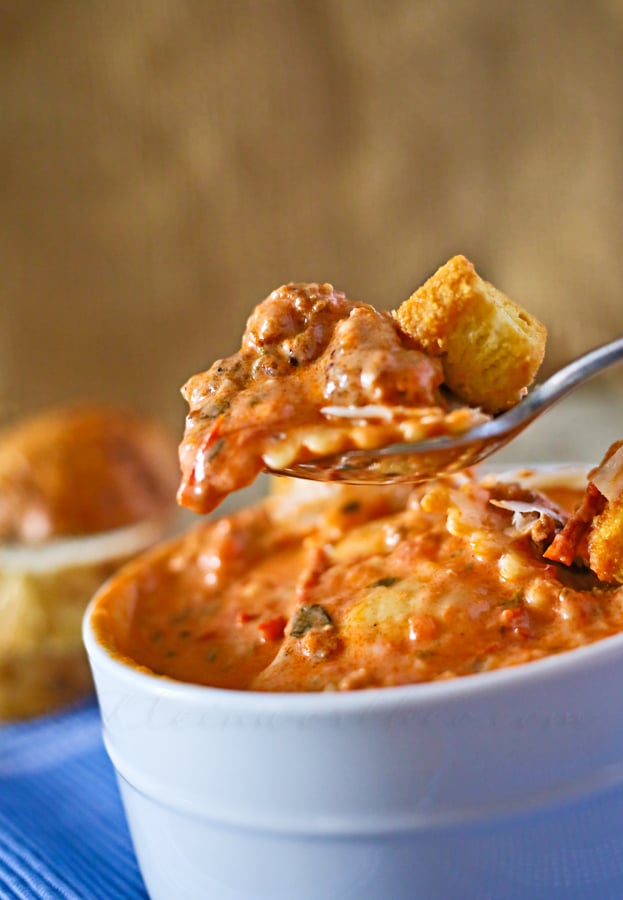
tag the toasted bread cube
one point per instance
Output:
(605, 543)
(605, 537)
(491, 348)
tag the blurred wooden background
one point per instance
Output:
(165, 163)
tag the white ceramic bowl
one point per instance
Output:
(506, 784)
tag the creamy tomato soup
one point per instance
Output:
(337, 588)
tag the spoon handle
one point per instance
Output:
(541, 397)
(566, 379)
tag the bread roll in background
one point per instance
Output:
(82, 489)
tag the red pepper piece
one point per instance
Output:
(273, 629)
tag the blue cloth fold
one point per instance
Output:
(62, 828)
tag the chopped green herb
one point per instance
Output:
(216, 449)
(385, 582)
(352, 507)
(513, 602)
(180, 616)
(214, 410)
(308, 617)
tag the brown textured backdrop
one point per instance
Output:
(166, 163)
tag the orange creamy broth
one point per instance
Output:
(364, 587)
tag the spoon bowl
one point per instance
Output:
(427, 459)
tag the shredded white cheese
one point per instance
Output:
(608, 478)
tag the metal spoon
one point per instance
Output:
(442, 455)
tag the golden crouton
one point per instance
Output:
(605, 538)
(605, 543)
(491, 348)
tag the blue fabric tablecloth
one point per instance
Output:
(62, 828)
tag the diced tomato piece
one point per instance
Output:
(273, 629)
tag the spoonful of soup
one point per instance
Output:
(327, 388)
